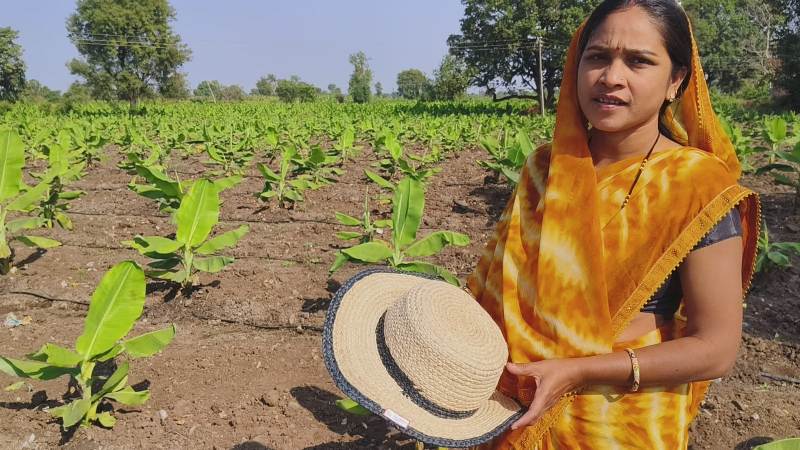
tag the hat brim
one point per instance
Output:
(351, 355)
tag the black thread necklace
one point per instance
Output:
(641, 167)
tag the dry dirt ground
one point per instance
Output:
(245, 370)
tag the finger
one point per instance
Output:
(529, 417)
(519, 369)
(534, 412)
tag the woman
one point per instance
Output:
(637, 191)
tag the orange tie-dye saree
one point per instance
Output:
(567, 270)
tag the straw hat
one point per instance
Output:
(421, 353)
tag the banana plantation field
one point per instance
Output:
(165, 273)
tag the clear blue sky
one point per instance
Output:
(238, 41)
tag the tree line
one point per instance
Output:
(750, 48)
(129, 51)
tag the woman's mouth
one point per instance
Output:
(608, 104)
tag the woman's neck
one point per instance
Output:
(616, 146)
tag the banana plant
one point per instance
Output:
(367, 228)
(316, 167)
(394, 151)
(168, 192)
(407, 209)
(64, 167)
(794, 118)
(380, 181)
(383, 183)
(741, 143)
(89, 141)
(269, 135)
(774, 131)
(136, 156)
(345, 145)
(434, 156)
(419, 172)
(396, 162)
(451, 136)
(776, 254)
(14, 199)
(781, 444)
(115, 307)
(281, 185)
(233, 153)
(507, 158)
(178, 260)
(790, 165)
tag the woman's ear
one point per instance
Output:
(677, 79)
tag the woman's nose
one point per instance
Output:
(613, 74)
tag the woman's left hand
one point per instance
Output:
(554, 378)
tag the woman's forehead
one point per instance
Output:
(629, 31)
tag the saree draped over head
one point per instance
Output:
(567, 270)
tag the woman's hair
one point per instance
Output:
(671, 21)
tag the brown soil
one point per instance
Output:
(245, 370)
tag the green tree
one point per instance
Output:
(176, 87)
(336, 92)
(232, 92)
(211, 89)
(378, 89)
(128, 48)
(736, 40)
(788, 52)
(12, 67)
(360, 79)
(451, 79)
(294, 90)
(76, 93)
(37, 92)
(412, 84)
(266, 85)
(498, 42)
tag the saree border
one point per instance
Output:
(688, 238)
(532, 435)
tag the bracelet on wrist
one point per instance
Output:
(635, 367)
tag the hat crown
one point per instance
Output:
(446, 344)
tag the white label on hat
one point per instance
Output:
(396, 418)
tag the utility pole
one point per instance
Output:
(541, 78)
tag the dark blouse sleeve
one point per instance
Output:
(728, 227)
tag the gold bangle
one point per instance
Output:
(635, 365)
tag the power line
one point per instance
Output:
(130, 39)
(113, 35)
(112, 43)
(493, 46)
(501, 41)
(107, 38)
(496, 46)
(104, 36)
(474, 46)
(116, 43)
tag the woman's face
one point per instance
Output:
(625, 58)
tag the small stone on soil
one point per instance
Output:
(271, 398)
